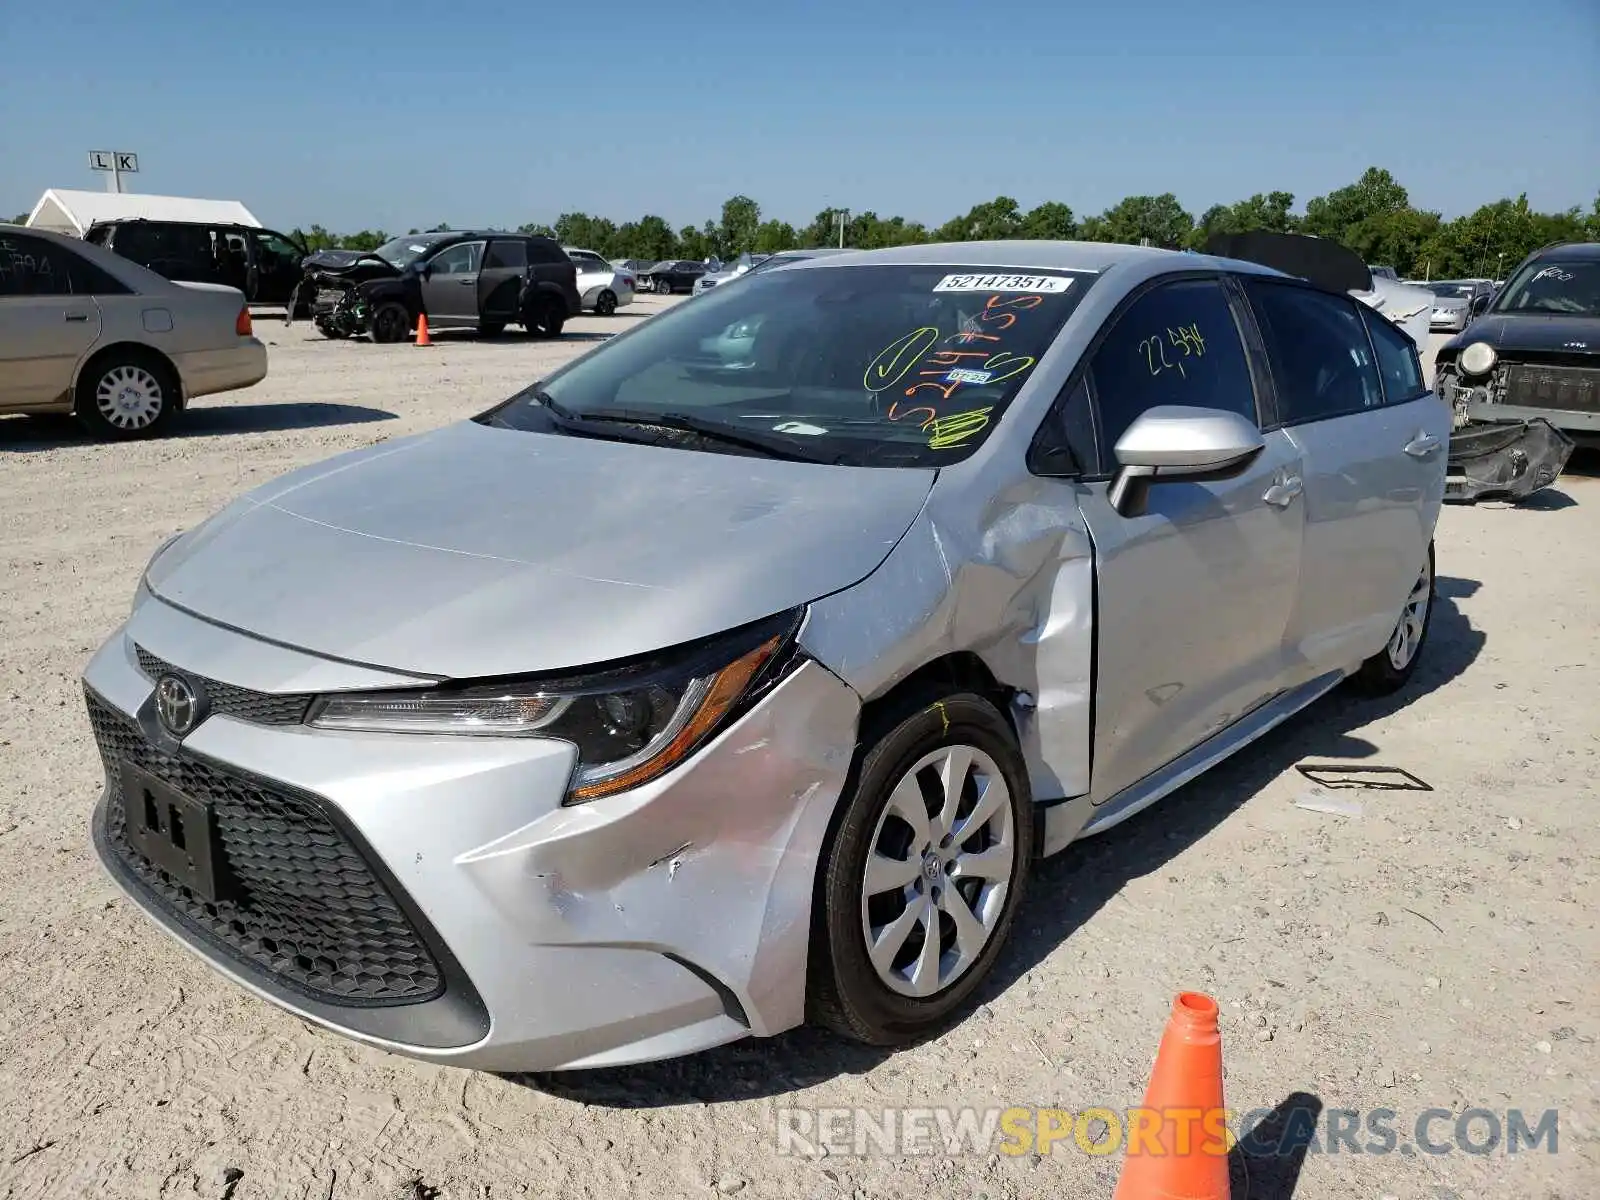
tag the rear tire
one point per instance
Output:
(390, 323)
(1391, 668)
(664, 287)
(897, 868)
(126, 395)
(545, 318)
(606, 303)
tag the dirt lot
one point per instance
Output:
(1438, 951)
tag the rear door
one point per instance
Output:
(450, 290)
(1369, 464)
(1194, 596)
(505, 265)
(46, 327)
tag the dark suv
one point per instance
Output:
(462, 279)
(1532, 350)
(262, 263)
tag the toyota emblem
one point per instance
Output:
(176, 705)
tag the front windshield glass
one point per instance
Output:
(1554, 288)
(403, 251)
(892, 365)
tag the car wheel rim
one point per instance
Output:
(938, 871)
(608, 303)
(129, 397)
(1407, 635)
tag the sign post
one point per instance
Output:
(114, 163)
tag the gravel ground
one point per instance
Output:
(1438, 951)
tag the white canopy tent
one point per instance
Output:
(63, 210)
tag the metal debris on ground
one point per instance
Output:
(1316, 801)
(1504, 461)
(1358, 775)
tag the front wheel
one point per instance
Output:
(1389, 670)
(922, 876)
(664, 287)
(390, 323)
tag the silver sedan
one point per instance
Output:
(88, 332)
(739, 672)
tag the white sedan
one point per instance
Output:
(88, 332)
(603, 287)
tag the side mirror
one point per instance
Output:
(1479, 303)
(1171, 442)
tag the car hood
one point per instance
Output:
(471, 551)
(1531, 332)
(340, 262)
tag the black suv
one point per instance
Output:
(462, 279)
(262, 263)
(1532, 350)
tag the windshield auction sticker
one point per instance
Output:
(1003, 283)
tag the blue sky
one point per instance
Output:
(355, 113)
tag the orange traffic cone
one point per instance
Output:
(422, 330)
(1164, 1161)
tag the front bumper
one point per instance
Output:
(462, 914)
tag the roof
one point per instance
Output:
(1582, 251)
(69, 211)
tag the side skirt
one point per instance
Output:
(1078, 818)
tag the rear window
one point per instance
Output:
(892, 365)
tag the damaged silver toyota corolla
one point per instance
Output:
(737, 673)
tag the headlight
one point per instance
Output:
(629, 724)
(1478, 359)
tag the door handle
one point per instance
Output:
(466, 282)
(1283, 492)
(77, 316)
(1422, 445)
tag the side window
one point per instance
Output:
(1317, 345)
(1177, 344)
(33, 267)
(458, 260)
(88, 279)
(271, 246)
(1070, 427)
(137, 242)
(506, 253)
(546, 252)
(1397, 359)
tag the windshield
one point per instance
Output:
(403, 251)
(1563, 288)
(893, 365)
(1450, 287)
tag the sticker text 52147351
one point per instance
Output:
(1003, 283)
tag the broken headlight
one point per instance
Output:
(1477, 359)
(629, 724)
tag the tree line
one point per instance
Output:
(1373, 216)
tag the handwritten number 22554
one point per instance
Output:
(1184, 341)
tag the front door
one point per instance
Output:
(1195, 594)
(45, 329)
(450, 287)
(277, 267)
(1349, 391)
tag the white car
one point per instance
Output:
(89, 332)
(603, 287)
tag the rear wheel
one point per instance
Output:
(390, 323)
(1389, 670)
(606, 304)
(664, 287)
(126, 395)
(545, 318)
(922, 876)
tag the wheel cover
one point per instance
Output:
(938, 871)
(129, 397)
(1407, 635)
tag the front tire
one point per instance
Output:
(664, 287)
(922, 875)
(126, 395)
(391, 323)
(1391, 668)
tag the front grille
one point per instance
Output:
(1571, 389)
(296, 898)
(230, 700)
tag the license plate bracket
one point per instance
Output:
(170, 830)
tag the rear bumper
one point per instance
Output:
(641, 926)
(205, 372)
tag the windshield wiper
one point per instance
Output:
(686, 423)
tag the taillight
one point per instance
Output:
(242, 325)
